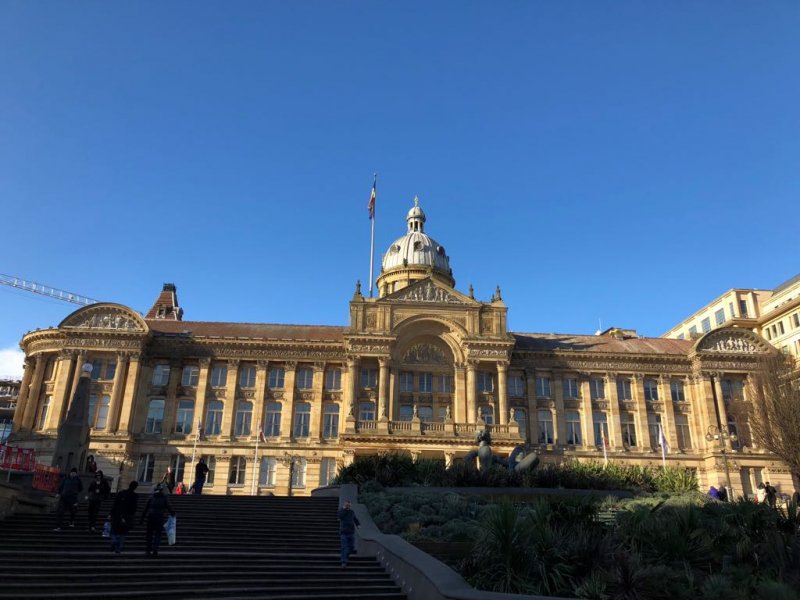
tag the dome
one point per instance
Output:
(416, 248)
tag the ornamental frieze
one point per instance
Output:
(105, 342)
(428, 292)
(488, 352)
(733, 342)
(369, 349)
(103, 318)
(547, 362)
(727, 365)
(424, 354)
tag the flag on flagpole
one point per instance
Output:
(371, 204)
(605, 446)
(261, 435)
(662, 441)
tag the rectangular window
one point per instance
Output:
(211, 463)
(653, 427)
(676, 390)
(302, 420)
(369, 378)
(487, 414)
(144, 473)
(101, 418)
(272, 420)
(573, 420)
(111, 369)
(545, 427)
(330, 421)
(719, 316)
(406, 381)
(425, 414)
(92, 408)
(650, 390)
(219, 376)
(333, 379)
(680, 336)
(247, 377)
(542, 387)
(184, 417)
(214, 417)
(299, 474)
(161, 375)
(693, 330)
(97, 369)
(426, 383)
(600, 430)
(244, 419)
(366, 411)
(155, 416)
(781, 330)
(267, 471)
(570, 387)
(44, 412)
(304, 379)
(597, 385)
(406, 412)
(178, 464)
(485, 381)
(237, 471)
(327, 471)
(190, 376)
(445, 383)
(682, 431)
(731, 310)
(705, 325)
(516, 386)
(521, 418)
(628, 429)
(276, 376)
(624, 390)
(743, 308)
(796, 320)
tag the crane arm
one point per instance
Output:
(45, 290)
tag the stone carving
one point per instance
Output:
(428, 292)
(368, 349)
(372, 321)
(732, 344)
(489, 352)
(424, 354)
(105, 319)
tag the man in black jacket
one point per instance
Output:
(98, 491)
(347, 530)
(154, 512)
(122, 515)
(68, 492)
(200, 472)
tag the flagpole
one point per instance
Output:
(662, 441)
(372, 241)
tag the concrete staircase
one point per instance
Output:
(227, 547)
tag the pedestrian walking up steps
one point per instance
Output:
(227, 547)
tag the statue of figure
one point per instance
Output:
(471, 292)
(447, 415)
(518, 460)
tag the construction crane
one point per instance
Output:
(45, 290)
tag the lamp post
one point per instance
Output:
(289, 460)
(715, 433)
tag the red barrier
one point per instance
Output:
(17, 459)
(46, 478)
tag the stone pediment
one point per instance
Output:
(427, 291)
(110, 317)
(733, 341)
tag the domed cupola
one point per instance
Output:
(413, 257)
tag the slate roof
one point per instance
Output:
(545, 342)
(260, 331)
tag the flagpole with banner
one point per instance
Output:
(371, 209)
(255, 463)
(662, 441)
(605, 445)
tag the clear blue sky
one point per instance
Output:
(627, 161)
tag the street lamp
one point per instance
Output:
(289, 460)
(715, 433)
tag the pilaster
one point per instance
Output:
(34, 393)
(614, 418)
(472, 408)
(200, 397)
(315, 425)
(129, 397)
(640, 412)
(459, 411)
(287, 410)
(65, 366)
(502, 395)
(262, 368)
(559, 422)
(533, 410)
(24, 393)
(587, 422)
(171, 400)
(668, 420)
(226, 428)
(117, 388)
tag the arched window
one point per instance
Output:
(214, 417)
(272, 419)
(155, 416)
(238, 470)
(244, 419)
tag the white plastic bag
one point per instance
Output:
(169, 527)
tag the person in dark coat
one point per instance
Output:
(97, 492)
(155, 514)
(347, 530)
(122, 514)
(200, 472)
(68, 491)
(723, 493)
(772, 495)
(168, 480)
(91, 465)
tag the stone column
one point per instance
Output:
(260, 396)
(587, 422)
(116, 392)
(502, 394)
(459, 411)
(392, 392)
(82, 358)
(697, 417)
(129, 397)
(614, 418)
(533, 411)
(472, 408)
(200, 398)
(231, 399)
(559, 421)
(287, 410)
(350, 395)
(24, 393)
(315, 426)
(171, 400)
(723, 410)
(34, 393)
(64, 368)
(668, 420)
(640, 412)
(383, 388)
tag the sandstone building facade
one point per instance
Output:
(420, 368)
